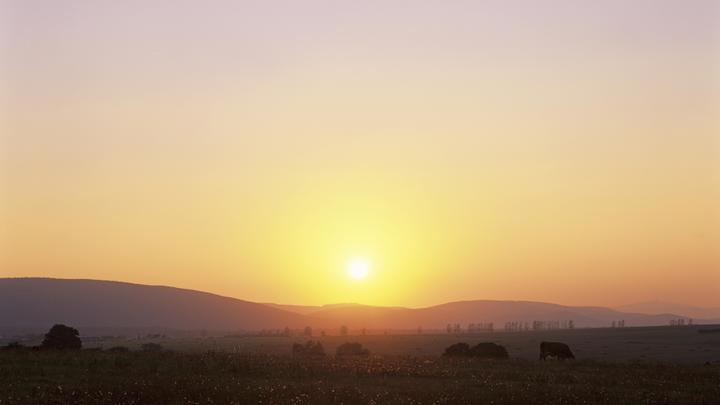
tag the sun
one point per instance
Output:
(358, 269)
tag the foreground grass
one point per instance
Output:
(86, 377)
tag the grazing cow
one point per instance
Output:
(457, 350)
(489, 351)
(558, 350)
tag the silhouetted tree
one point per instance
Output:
(363, 331)
(62, 337)
(419, 330)
(286, 331)
(343, 330)
(307, 331)
(449, 328)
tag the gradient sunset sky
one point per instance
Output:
(562, 150)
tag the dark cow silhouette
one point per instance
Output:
(489, 351)
(558, 350)
(457, 350)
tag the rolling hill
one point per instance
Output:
(40, 302)
(464, 312)
(660, 307)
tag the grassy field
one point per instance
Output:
(654, 344)
(90, 376)
(620, 366)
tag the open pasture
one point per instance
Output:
(652, 344)
(660, 365)
(103, 377)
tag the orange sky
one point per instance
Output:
(496, 150)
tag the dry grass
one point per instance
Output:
(86, 377)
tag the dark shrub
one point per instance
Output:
(310, 348)
(118, 349)
(13, 346)
(151, 347)
(457, 350)
(62, 337)
(352, 349)
(489, 351)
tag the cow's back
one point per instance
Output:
(555, 349)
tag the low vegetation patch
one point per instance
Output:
(310, 348)
(151, 347)
(485, 350)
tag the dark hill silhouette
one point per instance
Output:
(44, 301)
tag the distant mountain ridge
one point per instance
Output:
(660, 307)
(477, 311)
(41, 302)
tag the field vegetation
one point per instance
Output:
(94, 376)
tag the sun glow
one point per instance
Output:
(358, 269)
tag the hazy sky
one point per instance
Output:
(564, 151)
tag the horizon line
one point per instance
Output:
(353, 303)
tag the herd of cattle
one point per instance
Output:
(485, 350)
(555, 350)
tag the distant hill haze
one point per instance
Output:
(41, 302)
(478, 311)
(660, 307)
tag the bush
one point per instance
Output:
(457, 350)
(489, 351)
(151, 347)
(62, 337)
(310, 348)
(352, 349)
(13, 346)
